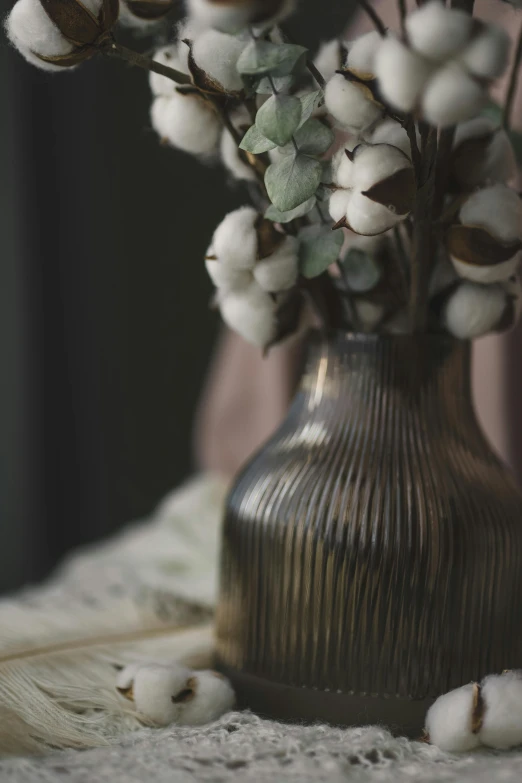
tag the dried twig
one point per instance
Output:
(374, 16)
(112, 49)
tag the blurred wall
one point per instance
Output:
(105, 331)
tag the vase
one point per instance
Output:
(372, 549)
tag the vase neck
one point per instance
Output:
(430, 374)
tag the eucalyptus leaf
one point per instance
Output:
(314, 138)
(310, 102)
(274, 214)
(265, 86)
(292, 181)
(318, 249)
(361, 271)
(262, 57)
(279, 117)
(495, 112)
(254, 142)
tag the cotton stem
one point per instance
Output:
(374, 16)
(513, 83)
(112, 49)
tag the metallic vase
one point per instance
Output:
(372, 554)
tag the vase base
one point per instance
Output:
(290, 704)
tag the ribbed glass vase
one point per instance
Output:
(372, 553)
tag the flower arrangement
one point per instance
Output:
(380, 171)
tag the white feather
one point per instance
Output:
(60, 646)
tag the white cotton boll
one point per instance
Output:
(328, 59)
(448, 721)
(390, 132)
(251, 313)
(225, 277)
(338, 204)
(232, 159)
(496, 163)
(235, 239)
(227, 17)
(498, 209)
(351, 104)
(213, 698)
(502, 721)
(278, 272)
(343, 169)
(474, 310)
(438, 32)
(486, 56)
(402, 73)
(217, 54)
(169, 56)
(187, 122)
(156, 688)
(31, 31)
(368, 217)
(493, 273)
(361, 52)
(125, 677)
(376, 162)
(451, 96)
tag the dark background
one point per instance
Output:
(105, 330)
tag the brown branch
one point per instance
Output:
(513, 82)
(374, 16)
(423, 250)
(112, 49)
(402, 13)
(319, 78)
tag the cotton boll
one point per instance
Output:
(159, 691)
(169, 56)
(376, 162)
(486, 274)
(329, 58)
(402, 73)
(235, 239)
(391, 132)
(437, 32)
(225, 277)
(502, 721)
(451, 96)
(361, 52)
(367, 217)
(448, 721)
(486, 56)
(279, 271)
(338, 204)
(498, 209)
(251, 313)
(475, 163)
(217, 54)
(227, 17)
(31, 31)
(187, 122)
(213, 698)
(474, 310)
(343, 168)
(232, 159)
(351, 104)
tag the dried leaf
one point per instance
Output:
(109, 13)
(468, 155)
(69, 60)
(475, 245)
(74, 21)
(268, 238)
(396, 192)
(477, 712)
